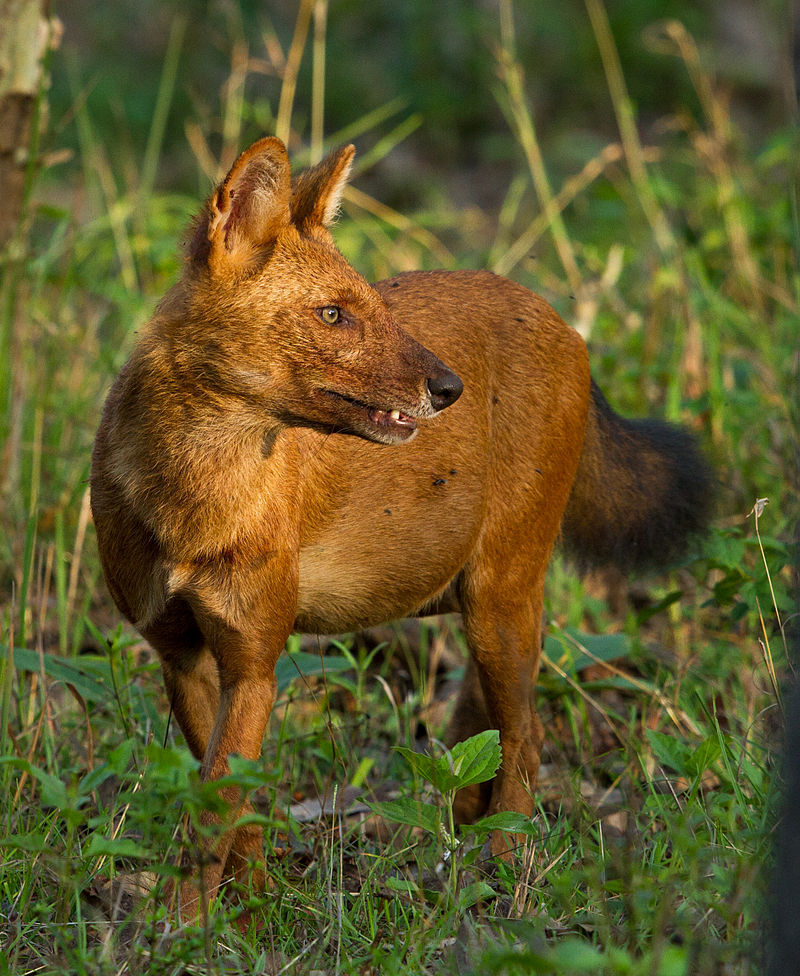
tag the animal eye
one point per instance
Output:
(330, 314)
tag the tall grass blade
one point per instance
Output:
(31, 525)
(512, 76)
(318, 80)
(166, 91)
(623, 109)
(61, 582)
(283, 125)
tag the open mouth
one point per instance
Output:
(393, 422)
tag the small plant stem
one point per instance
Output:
(10, 403)
(77, 551)
(757, 509)
(30, 533)
(61, 580)
(98, 173)
(451, 828)
(400, 222)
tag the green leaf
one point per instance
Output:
(669, 751)
(119, 758)
(302, 664)
(474, 760)
(475, 892)
(53, 791)
(94, 778)
(118, 847)
(674, 961)
(577, 956)
(703, 757)
(79, 672)
(566, 648)
(249, 774)
(412, 813)
(25, 842)
(402, 885)
(421, 763)
(509, 821)
(672, 597)
(726, 589)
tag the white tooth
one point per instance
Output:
(395, 414)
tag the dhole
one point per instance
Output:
(285, 451)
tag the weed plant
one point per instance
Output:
(650, 849)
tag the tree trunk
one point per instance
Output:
(24, 36)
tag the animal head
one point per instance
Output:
(271, 313)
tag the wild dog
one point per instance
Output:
(286, 450)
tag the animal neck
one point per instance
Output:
(206, 468)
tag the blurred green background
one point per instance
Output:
(438, 58)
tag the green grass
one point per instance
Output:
(651, 846)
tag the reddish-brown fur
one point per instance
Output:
(249, 479)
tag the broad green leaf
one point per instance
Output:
(565, 648)
(672, 597)
(401, 885)
(117, 847)
(25, 842)
(755, 774)
(412, 813)
(674, 961)
(726, 548)
(475, 892)
(577, 956)
(474, 760)
(302, 664)
(95, 777)
(80, 672)
(423, 765)
(54, 793)
(703, 757)
(172, 763)
(509, 821)
(119, 759)
(669, 751)
(247, 773)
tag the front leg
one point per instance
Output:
(245, 618)
(244, 708)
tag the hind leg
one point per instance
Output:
(537, 428)
(470, 717)
(502, 620)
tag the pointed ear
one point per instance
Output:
(317, 191)
(249, 207)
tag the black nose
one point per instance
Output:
(444, 389)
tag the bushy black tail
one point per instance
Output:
(643, 489)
